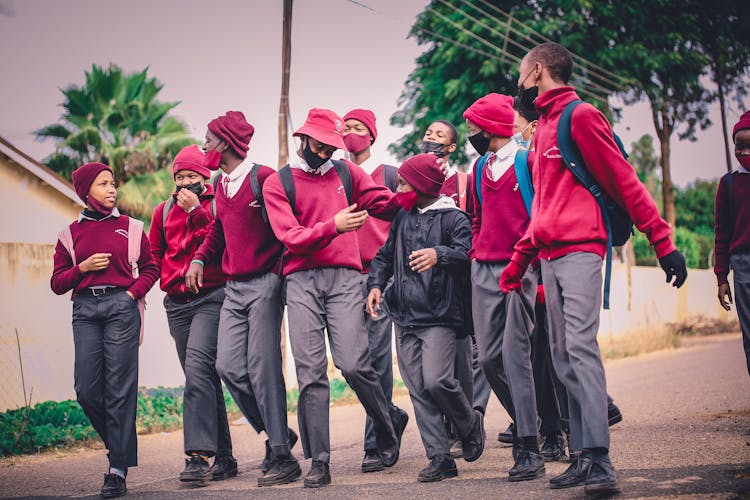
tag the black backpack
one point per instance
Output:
(342, 169)
(390, 177)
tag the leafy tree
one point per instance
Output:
(695, 206)
(115, 118)
(642, 157)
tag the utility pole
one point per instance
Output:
(286, 57)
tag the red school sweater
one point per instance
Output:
(565, 218)
(246, 244)
(374, 232)
(309, 233)
(109, 235)
(173, 245)
(731, 239)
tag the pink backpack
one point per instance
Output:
(135, 233)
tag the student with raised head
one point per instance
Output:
(105, 259)
(248, 355)
(568, 233)
(360, 132)
(315, 206)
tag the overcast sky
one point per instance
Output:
(226, 54)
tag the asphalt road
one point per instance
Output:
(685, 433)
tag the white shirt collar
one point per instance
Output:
(441, 203)
(504, 159)
(301, 164)
(742, 170)
(239, 172)
(115, 213)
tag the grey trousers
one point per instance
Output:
(573, 291)
(379, 336)
(331, 299)
(105, 331)
(426, 359)
(740, 264)
(248, 356)
(481, 388)
(503, 325)
(194, 326)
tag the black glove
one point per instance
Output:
(674, 266)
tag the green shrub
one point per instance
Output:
(687, 242)
(644, 254)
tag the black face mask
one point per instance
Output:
(195, 188)
(312, 159)
(480, 142)
(435, 148)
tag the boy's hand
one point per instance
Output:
(349, 220)
(510, 279)
(373, 302)
(674, 267)
(96, 262)
(725, 296)
(422, 260)
(194, 277)
(187, 199)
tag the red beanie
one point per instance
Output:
(493, 113)
(365, 116)
(423, 173)
(233, 129)
(190, 158)
(325, 126)
(83, 178)
(742, 124)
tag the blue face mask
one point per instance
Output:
(520, 141)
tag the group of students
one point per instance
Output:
(354, 249)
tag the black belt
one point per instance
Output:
(96, 291)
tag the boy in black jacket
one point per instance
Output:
(427, 255)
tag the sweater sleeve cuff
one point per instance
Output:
(722, 279)
(521, 259)
(329, 230)
(664, 247)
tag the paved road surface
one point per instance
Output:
(686, 433)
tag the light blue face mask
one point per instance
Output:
(520, 141)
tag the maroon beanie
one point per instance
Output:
(423, 173)
(84, 176)
(190, 158)
(233, 129)
(493, 113)
(742, 124)
(365, 116)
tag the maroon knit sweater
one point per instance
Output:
(731, 239)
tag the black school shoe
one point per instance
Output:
(440, 467)
(573, 476)
(473, 444)
(399, 419)
(283, 470)
(372, 462)
(113, 487)
(507, 435)
(613, 414)
(268, 458)
(319, 475)
(601, 478)
(529, 465)
(196, 469)
(553, 448)
(223, 468)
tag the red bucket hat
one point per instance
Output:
(190, 158)
(325, 126)
(367, 117)
(493, 113)
(423, 173)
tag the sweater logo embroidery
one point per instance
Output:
(122, 232)
(254, 204)
(340, 189)
(553, 152)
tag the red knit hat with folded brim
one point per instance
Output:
(741, 125)
(84, 176)
(367, 117)
(493, 113)
(233, 129)
(423, 173)
(190, 158)
(324, 126)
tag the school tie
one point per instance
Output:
(225, 185)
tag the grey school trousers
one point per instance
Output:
(426, 359)
(194, 326)
(379, 336)
(573, 291)
(503, 325)
(330, 298)
(105, 331)
(740, 264)
(248, 356)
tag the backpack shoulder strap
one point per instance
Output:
(461, 181)
(287, 182)
(165, 212)
(390, 177)
(478, 172)
(569, 151)
(66, 238)
(257, 191)
(135, 233)
(342, 169)
(523, 176)
(728, 181)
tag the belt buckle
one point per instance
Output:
(98, 290)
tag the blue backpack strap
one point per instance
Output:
(523, 176)
(478, 171)
(572, 158)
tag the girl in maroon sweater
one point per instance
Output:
(731, 220)
(106, 320)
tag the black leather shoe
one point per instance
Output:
(265, 465)
(223, 468)
(601, 478)
(553, 448)
(574, 475)
(473, 444)
(283, 470)
(196, 469)
(507, 435)
(318, 476)
(529, 465)
(613, 414)
(399, 419)
(372, 462)
(440, 467)
(113, 487)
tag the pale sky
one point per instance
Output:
(226, 54)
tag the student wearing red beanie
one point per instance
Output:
(315, 206)
(426, 256)
(248, 350)
(360, 133)
(732, 242)
(92, 259)
(193, 318)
